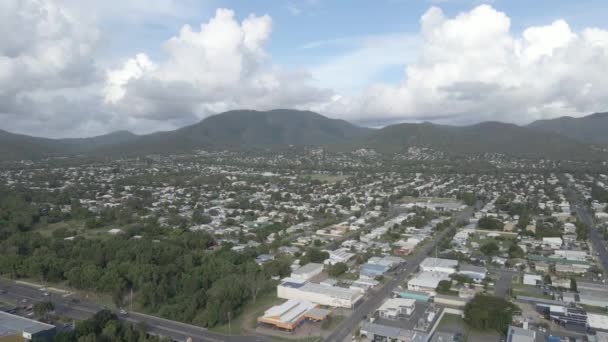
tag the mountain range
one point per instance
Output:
(562, 138)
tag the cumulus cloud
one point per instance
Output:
(219, 66)
(43, 47)
(472, 67)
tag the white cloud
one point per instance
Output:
(220, 66)
(471, 67)
(365, 59)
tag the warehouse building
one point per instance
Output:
(319, 294)
(516, 334)
(307, 271)
(379, 332)
(29, 329)
(292, 313)
(597, 323)
(439, 265)
(593, 298)
(427, 281)
(394, 308)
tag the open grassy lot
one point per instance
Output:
(245, 322)
(455, 324)
(77, 227)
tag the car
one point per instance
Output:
(46, 294)
(123, 312)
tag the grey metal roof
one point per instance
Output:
(13, 324)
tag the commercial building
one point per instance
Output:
(427, 281)
(532, 279)
(516, 334)
(568, 315)
(319, 294)
(380, 332)
(439, 265)
(476, 273)
(307, 271)
(372, 271)
(292, 313)
(593, 298)
(339, 255)
(597, 323)
(393, 308)
(29, 329)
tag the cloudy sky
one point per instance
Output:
(73, 68)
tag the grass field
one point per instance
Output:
(78, 228)
(245, 322)
(455, 324)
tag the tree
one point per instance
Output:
(516, 252)
(490, 249)
(444, 287)
(582, 230)
(489, 313)
(490, 223)
(314, 255)
(337, 269)
(41, 309)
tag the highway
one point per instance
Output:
(23, 294)
(371, 303)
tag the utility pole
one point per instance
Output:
(229, 327)
(131, 300)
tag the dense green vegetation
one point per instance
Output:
(177, 275)
(489, 313)
(490, 223)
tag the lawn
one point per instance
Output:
(246, 321)
(455, 324)
(76, 226)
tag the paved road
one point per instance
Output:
(503, 283)
(24, 294)
(599, 245)
(375, 299)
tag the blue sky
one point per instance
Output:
(336, 20)
(132, 64)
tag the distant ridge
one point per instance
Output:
(591, 129)
(243, 129)
(485, 137)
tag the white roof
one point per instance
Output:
(429, 279)
(289, 311)
(395, 303)
(332, 291)
(596, 321)
(308, 268)
(438, 262)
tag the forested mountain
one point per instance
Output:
(18, 146)
(247, 128)
(591, 129)
(486, 137)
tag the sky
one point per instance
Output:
(77, 68)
